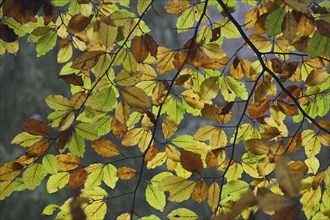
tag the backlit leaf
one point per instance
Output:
(126, 173)
(33, 176)
(57, 181)
(155, 197)
(136, 98)
(105, 148)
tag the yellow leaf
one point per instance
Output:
(176, 7)
(209, 88)
(158, 160)
(105, 148)
(310, 201)
(136, 98)
(165, 58)
(234, 172)
(218, 139)
(10, 170)
(132, 137)
(6, 189)
(95, 210)
(169, 128)
(213, 196)
(124, 216)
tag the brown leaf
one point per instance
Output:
(211, 63)
(295, 143)
(118, 128)
(159, 93)
(126, 173)
(169, 128)
(256, 146)
(78, 23)
(246, 200)
(226, 108)
(35, 127)
(10, 171)
(286, 213)
(140, 49)
(67, 162)
(316, 77)
(289, 184)
(276, 151)
(298, 167)
(324, 123)
(287, 109)
(212, 157)
(270, 133)
(86, 60)
(122, 112)
(63, 138)
(7, 34)
(191, 161)
(306, 26)
(200, 191)
(323, 27)
(179, 61)
(38, 149)
(78, 99)
(268, 201)
(216, 32)
(151, 152)
(212, 113)
(136, 98)
(289, 27)
(72, 79)
(48, 12)
(77, 178)
(105, 148)
(276, 65)
(258, 110)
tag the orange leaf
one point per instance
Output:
(105, 148)
(35, 127)
(287, 109)
(140, 49)
(151, 152)
(200, 191)
(77, 178)
(176, 7)
(38, 149)
(125, 173)
(191, 161)
(257, 110)
(67, 162)
(10, 170)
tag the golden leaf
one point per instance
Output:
(67, 162)
(136, 98)
(105, 148)
(77, 178)
(200, 191)
(126, 173)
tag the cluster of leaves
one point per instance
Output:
(127, 89)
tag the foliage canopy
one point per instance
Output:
(259, 107)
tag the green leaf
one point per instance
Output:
(209, 88)
(25, 139)
(57, 181)
(186, 20)
(155, 197)
(228, 29)
(58, 102)
(50, 163)
(46, 43)
(108, 34)
(232, 190)
(94, 178)
(180, 189)
(230, 88)
(182, 214)
(142, 5)
(274, 22)
(103, 125)
(96, 210)
(110, 177)
(76, 145)
(18, 28)
(87, 131)
(59, 2)
(318, 45)
(6, 189)
(19, 185)
(150, 217)
(106, 99)
(96, 193)
(49, 209)
(185, 141)
(33, 176)
(175, 110)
